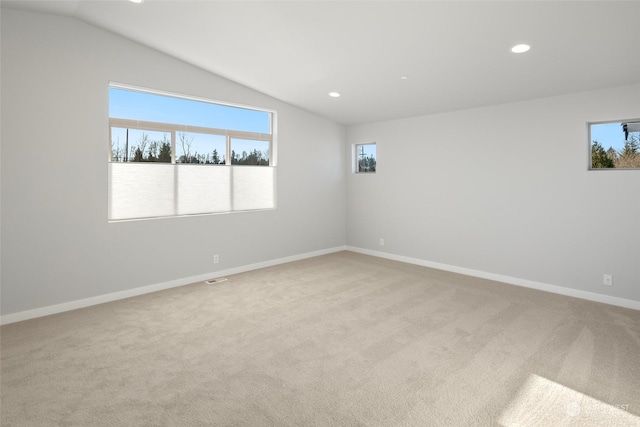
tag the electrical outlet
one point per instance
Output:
(381, 242)
(216, 259)
(607, 280)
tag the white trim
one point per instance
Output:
(591, 296)
(115, 122)
(101, 299)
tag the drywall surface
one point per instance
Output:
(57, 245)
(504, 190)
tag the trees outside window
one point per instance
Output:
(365, 158)
(615, 145)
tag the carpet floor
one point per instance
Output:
(339, 340)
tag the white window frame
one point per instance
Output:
(356, 158)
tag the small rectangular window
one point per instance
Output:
(365, 159)
(614, 145)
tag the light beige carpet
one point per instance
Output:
(339, 340)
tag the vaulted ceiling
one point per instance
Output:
(453, 55)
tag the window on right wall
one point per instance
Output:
(615, 145)
(365, 158)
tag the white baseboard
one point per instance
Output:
(101, 299)
(591, 296)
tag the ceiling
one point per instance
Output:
(456, 55)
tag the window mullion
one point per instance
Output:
(173, 147)
(110, 144)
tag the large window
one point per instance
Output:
(615, 145)
(171, 155)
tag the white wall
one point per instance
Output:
(504, 190)
(56, 243)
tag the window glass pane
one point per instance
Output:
(135, 105)
(249, 152)
(200, 148)
(138, 145)
(615, 145)
(365, 158)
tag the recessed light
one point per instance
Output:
(334, 94)
(520, 48)
(136, 1)
(404, 78)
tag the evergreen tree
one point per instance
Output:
(138, 155)
(215, 158)
(630, 154)
(631, 147)
(367, 164)
(599, 158)
(165, 152)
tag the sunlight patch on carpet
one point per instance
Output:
(541, 401)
